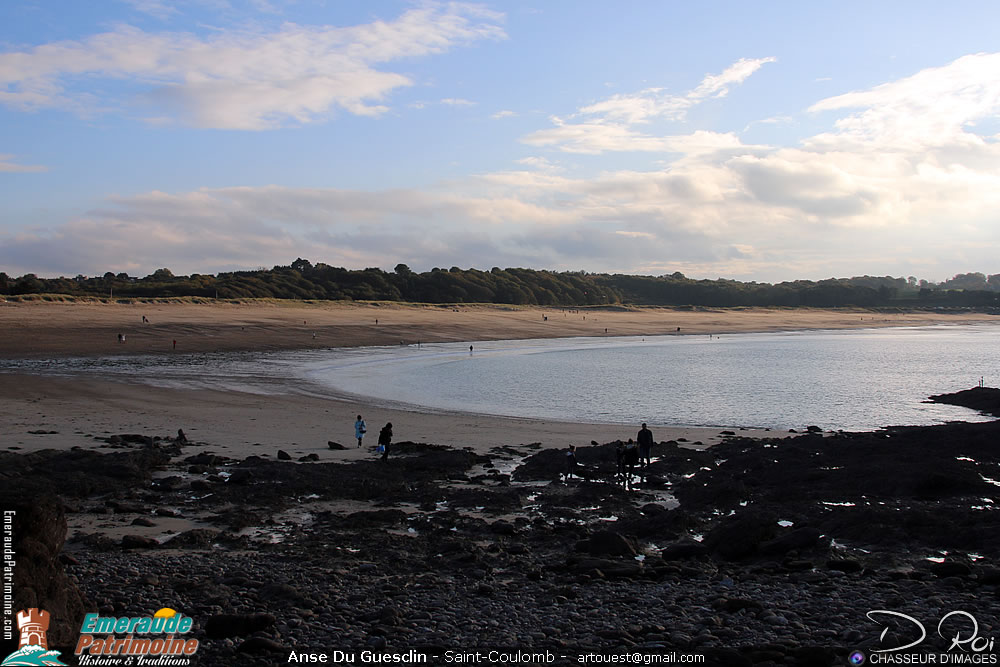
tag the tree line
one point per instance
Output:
(304, 280)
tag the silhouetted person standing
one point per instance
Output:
(385, 439)
(645, 440)
(570, 462)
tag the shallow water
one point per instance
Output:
(851, 380)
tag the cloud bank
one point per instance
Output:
(900, 182)
(238, 80)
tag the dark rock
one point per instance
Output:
(309, 457)
(610, 543)
(335, 445)
(844, 565)
(241, 477)
(604, 568)
(797, 539)
(733, 605)
(740, 536)
(166, 512)
(984, 399)
(196, 537)
(139, 542)
(682, 549)
(204, 459)
(951, 568)
(143, 521)
(39, 532)
(989, 576)
(169, 483)
(284, 456)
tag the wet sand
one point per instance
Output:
(239, 424)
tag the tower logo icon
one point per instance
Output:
(33, 649)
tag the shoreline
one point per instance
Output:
(241, 424)
(769, 534)
(54, 329)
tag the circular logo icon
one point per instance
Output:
(856, 658)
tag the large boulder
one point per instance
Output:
(741, 536)
(39, 531)
(610, 543)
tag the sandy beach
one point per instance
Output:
(754, 550)
(49, 412)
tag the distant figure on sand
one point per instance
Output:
(385, 439)
(360, 428)
(645, 440)
(571, 461)
(144, 320)
(175, 344)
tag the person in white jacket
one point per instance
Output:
(360, 429)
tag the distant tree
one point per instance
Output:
(28, 284)
(162, 274)
(302, 265)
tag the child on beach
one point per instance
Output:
(360, 428)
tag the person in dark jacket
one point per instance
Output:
(385, 439)
(645, 440)
(571, 462)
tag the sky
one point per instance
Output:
(754, 141)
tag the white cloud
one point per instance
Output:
(457, 102)
(608, 123)
(155, 8)
(875, 193)
(505, 113)
(930, 108)
(8, 165)
(242, 80)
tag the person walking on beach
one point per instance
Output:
(385, 439)
(645, 440)
(360, 428)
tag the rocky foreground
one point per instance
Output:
(777, 549)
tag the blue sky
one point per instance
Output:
(756, 141)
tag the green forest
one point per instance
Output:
(307, 281)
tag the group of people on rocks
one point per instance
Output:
(627, 455)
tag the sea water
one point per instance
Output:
(850, 380)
